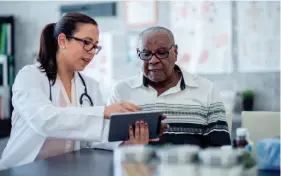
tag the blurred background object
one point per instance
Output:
(248, 96)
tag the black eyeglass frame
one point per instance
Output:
(154, 53)
(86, 42)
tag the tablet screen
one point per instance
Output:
(119, 124)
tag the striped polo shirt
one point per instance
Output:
(194, 111)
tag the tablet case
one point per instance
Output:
(119, 124)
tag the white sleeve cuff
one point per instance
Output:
(105, 144)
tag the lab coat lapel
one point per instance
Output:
(55, 93)
(79, 88)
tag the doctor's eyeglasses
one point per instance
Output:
(87, 45)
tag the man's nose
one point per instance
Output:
(154, 60)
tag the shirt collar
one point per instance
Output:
(187, 80)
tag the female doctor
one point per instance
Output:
(56, 108)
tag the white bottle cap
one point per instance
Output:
(241, 132)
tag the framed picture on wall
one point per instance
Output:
(141, 13)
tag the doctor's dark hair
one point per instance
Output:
(68, 25)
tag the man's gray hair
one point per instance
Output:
(156, 29)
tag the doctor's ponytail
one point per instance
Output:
(47, 51)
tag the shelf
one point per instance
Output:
(6, 19)
(7, 49)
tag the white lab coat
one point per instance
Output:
(35, 117)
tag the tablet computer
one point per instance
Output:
(119, 124)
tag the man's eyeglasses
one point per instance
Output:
(87, 45)
(160, 54)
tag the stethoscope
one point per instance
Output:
(83, 96)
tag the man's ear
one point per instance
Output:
(176, 50)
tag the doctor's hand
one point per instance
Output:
(140, 135)
(120, 107)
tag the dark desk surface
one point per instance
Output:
(80, 163)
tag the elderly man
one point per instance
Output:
(194, 111)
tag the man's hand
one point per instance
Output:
(120, 107)
(141, 133)
(138, 136)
